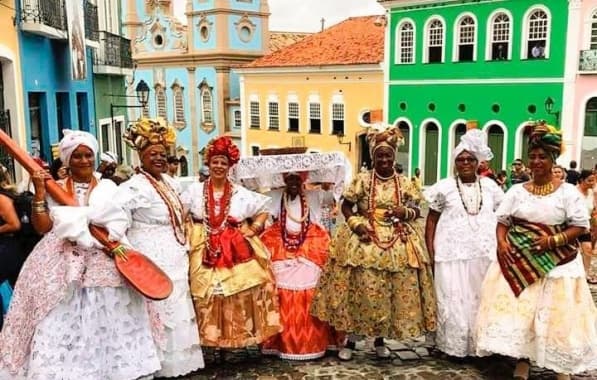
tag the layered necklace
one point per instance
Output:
(292, 242)
(173, 204)
(542, 190)
(400, 231)
(472, 203)
(69, 185)
(215, 215)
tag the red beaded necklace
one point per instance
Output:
(292, 242)
(399, 231)
(173, 204)
(215, 223)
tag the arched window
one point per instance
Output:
(467, 32)
(495, 140)
(500, 35)
(537, 35)
(435, 42)
(160, 101)
(406, 43)
(178, 103)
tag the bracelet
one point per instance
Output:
(549, 242)
(256, 227)
(38, 203)
(353, 222)
(39, 209)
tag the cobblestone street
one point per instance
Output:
(414, 360)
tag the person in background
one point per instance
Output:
(416, 180)
(108, 164)
(485, 171)
(203, 173)
(502, 180)
(518, 174)
(10, 260)
(559, 173)
(572, 174)
(58, 170)
(586, 183)
(399, 169)
(173, 163)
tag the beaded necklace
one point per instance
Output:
(292, 242)
(69, 184)
(215, 223)
(478, 200)
(399, 230)
(173, 204)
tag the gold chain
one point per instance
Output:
(546, 189)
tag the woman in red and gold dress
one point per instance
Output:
(231, 282)
(299, 248)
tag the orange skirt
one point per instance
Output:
(243, 319)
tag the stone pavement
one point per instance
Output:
(413, 360)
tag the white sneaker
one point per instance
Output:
(382, 352)
(345, 354)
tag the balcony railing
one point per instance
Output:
(91, 22)
(114, 51)
(47, 12)
(588, 60)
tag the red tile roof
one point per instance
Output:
(279, 40)
(357, 40)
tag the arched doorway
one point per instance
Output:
(459, 131)
(431, 149)
(364, 157)
(495, 140)
(403, 152)
(588, 157)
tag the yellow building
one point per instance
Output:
(318, 93)
(11, 90)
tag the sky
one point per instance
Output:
(305, 15)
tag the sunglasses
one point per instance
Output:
(462, 160)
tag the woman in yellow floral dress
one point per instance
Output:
(378, 281)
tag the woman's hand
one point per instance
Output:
(247, 231)
(398, 212)
(505, 250)
(363, 233)
(540, 244)
(39, 182)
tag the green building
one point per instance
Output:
(112, 64)
(500, 62)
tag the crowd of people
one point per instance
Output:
(487, 272)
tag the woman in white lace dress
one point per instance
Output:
(156, 229)
(535, 303)
(73, 316)
(460, 236)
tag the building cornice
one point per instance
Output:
(189, 59)
(376, 67)
(400, 5)
(427, 82)
(238, 12)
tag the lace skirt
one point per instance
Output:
(182, 353)
(553, 322)
(458, 292)
(98, 333)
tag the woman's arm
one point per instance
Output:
(354, 223)
(40, 217)
(8, 215)
(256, 226)
(430, 226)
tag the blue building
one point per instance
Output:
(188, 67)
(53, 100)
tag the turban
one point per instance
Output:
(546, 137)
(474, 141)
(222, 146)
(109, 157)
(390, 137)
(72, 140)
(146, 132)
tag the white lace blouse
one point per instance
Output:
(460, 235)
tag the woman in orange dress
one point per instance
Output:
(299, 248)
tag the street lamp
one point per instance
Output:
(142, 90)
(142, 96)
(549, 104)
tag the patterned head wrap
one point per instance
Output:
(546, 137)
(474, 141)
(389, 137)
(72, 140)
(146, 132)
(222, 146)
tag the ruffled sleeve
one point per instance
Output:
(249, 202)
(494, 191)
(356, 189)
(435, 197)
(506, 207)
(576, 209)
(192, 199)
(134, 194)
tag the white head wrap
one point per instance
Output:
(474, 141)
(72, 140)
(109, 157)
